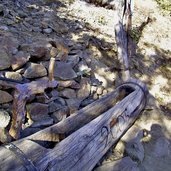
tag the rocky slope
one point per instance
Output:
(81, 37)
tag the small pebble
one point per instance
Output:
(47, 30)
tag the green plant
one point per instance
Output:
(102, 20)
(165, 5)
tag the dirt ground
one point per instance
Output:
(151, 63)
(146, 146)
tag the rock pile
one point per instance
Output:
(30, 34)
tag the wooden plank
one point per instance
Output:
(79, 118)
(83, 149)
(11, 160)
(84, 115)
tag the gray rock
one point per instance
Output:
(5, 60)
(19, 60)
(85, 88)
(1, 8)
(36, 29)
(22, 14)
(59, 100)
(87, 102)
(69, 83)
(9, 43)
(40, 49)
(125, 164)
(64, 71)
(60, 114)
(54, 106)
(44, 122)
(95, 96)
(54, 93)
(21, 70)
(75, 52)
(4, 136)
(13, 75)
(47, 30)
(73, 105)
(5, 28)
(41, 98)
(93, 89)
(68, 93)
(82, 66)
(4, 118)
(37, 111)
(57, 24)
(73, 60)
(35, 71)
(95, 82)
(5, 97)
(31, 98)
(135, 150)
(161, 147)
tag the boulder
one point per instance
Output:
(161, 147)
(4, 136)
(47, 30)
(5, 97)
(4, 118)
(42, 123)
(13, 75)
(69, 83)
(38, 50)
(85, 88)
(73, 60)
(64, 71)
(135, 150)
(19, 60)
(124, 164)
(9, 43)
(68, 93)
(54, 107)
(37, 111)
(73, 105)
(5, 60)
(35, 71)
(60, 114)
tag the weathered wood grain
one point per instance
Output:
(12, 161)
(23, 91)
(52, 133)
(83, 149)
(122, 47)
(80, 118)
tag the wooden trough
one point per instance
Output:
(79, 142)
(84, 145)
